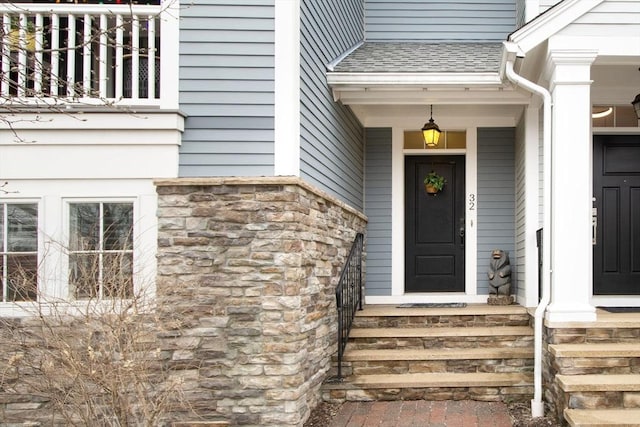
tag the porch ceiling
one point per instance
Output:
(447, 116)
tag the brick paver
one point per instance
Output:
(419, 413)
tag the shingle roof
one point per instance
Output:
(412, 57)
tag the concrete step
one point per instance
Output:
(442, 337)
(600, 358)
(390, 316)
(442, 332)
(449, 360)
(602, 417)
(432, 386)
(599, 383)
(595, 350)
(439, 380)
(440, 354)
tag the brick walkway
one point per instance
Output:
(420, 413)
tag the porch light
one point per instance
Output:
(636, 105)
(431, 132)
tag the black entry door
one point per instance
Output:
(616, 179)
(434, 226)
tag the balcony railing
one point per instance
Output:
(82, 53)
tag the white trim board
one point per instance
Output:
(398, 226)
(287, 88)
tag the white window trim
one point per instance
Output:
(101, 250)
(66, 221)
(40, 238)
(53, 237)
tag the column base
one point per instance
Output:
(570, 313)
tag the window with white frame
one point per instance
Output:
(19, 251)
(101, 250)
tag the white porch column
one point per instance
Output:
(571, 187)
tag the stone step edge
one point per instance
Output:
(469, 310)
(599, 382)
(432, 380)
(602, 417)
(441, 332)
(595, 350)
(451, 353)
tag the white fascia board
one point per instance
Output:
(71, 120)
(423, 97)
(551, 22)
(336, 80)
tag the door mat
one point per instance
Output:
(621, 309)
(434, 305)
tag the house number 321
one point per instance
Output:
(472, 202)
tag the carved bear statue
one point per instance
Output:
(499, 273)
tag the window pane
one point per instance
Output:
(118, 226)
(83, 275)
(413, 139)
(456, 139)
(22, 228)
(118, 275)
(22, 271)
(84, 227)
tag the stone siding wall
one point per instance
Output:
(251, 265)
(556, 398)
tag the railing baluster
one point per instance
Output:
(55, 55)
(151, 53)
(135, 57)
(86, 56)
(6, 27)
(22, 55)
(38, 68)
(119, 62)
(71, 57)
(102, 60)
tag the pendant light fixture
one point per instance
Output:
(431, 132)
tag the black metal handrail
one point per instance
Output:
(349, 295)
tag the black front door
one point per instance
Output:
(616, 181)
(434, 226)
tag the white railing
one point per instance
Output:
(93, 54)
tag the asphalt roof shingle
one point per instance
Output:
(415, 57)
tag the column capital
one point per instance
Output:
(572, 56)
(569, 66)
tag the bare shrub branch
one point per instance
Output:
(97, 362)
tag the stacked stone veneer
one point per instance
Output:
(251, 265)
(556, 398)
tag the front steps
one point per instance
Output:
(597, 373)
(478, 352)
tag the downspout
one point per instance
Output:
(511, 49)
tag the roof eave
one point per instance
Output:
(338, 79)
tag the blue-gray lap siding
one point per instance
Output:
(378, 210)
(439, 20)
(496, 199)
(496, 203)
(227, 87)
(331, 137)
